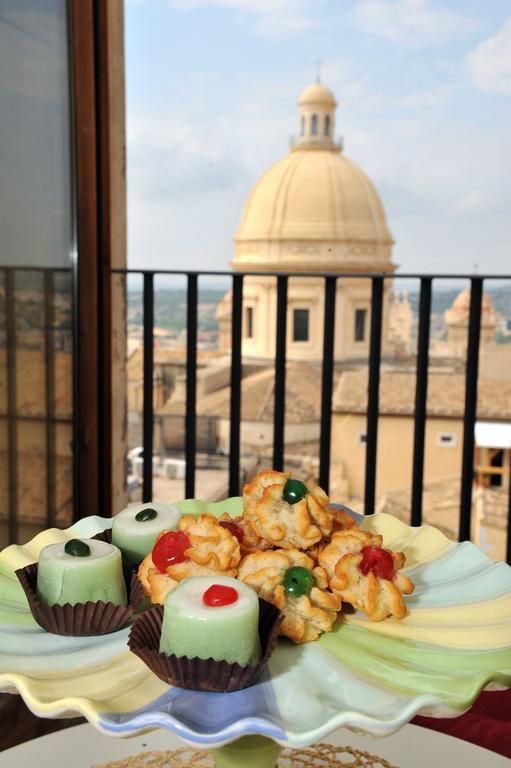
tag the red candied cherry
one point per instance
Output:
(233, 528)
(218, 595)
(170, 549)
(379, 561)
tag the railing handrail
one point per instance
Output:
(274, 273)
(285, 273)
(330, 279)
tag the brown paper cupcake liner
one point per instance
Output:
(81, 619)
(104, 536)
(202, 674)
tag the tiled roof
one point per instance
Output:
(446, 394)
(169, 355)
(303, 397)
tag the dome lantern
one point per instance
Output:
(316, 106)
(314, 209)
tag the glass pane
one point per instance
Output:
(300, 325)
(35, 281)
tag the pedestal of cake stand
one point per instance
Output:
(248, 752)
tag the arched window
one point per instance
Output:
(302, 122)
(314, 125)
(327, 125)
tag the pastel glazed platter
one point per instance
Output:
(373, 677)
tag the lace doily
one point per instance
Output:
(320, 755)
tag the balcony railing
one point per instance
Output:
(330, 281)
(47, 415)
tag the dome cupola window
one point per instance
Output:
(314, 125)
(327, 125)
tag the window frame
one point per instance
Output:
(294, 311)
(96, 50)
(452, 441)
(360, 312)
(249, 322)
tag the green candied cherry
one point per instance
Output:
(294, 491)
(77, 548)
(146, 514)
(298, 581)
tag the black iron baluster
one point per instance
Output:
(472, 369)
(421, 396)
(148, 425)
(373, 394)
(327, 382)
(12, 435)
(49, 377)
(279, 413)
(191, 388)
(235, 408)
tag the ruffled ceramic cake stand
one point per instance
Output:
(371, 677)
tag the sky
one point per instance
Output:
(424, 93)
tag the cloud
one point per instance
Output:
(171, 159)
(444, 186)
(436, 160)
(426, 98)
(417, 23)
(489, 65)
(272, 17)
(443, 183)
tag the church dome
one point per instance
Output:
(314, 196)
(314, 209)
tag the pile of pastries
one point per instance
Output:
(305, 559)
(293, 549)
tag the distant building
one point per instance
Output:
(257, 404)
(457, 318)
(443, 443)
(313, 211)
(401, 324)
